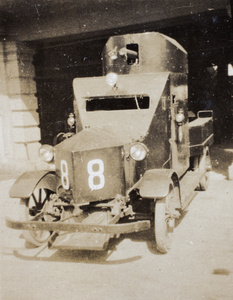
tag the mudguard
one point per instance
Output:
(155, 183)
(25, 184)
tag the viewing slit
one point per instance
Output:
(118, 103)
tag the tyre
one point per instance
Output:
(205, 167)
(164, 219)
(32, 208)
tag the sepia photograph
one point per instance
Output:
(116, 150)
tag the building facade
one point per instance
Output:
(44, 46)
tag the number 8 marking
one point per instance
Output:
(99, 174)
(64, 175)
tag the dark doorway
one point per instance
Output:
(56, 66)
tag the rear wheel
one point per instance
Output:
(204, 182)
(165, 219)
(31, 208)
(204, 167)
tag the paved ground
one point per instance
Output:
(199, 265)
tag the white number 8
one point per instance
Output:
(64, 175)
(98, 173)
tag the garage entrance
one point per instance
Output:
(204, 36)
(56, 65)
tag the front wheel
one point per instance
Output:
(31, 208)
(164, 219)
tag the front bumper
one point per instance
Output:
(80, 227)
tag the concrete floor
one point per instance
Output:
(199, 265)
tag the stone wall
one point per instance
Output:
(19, 131)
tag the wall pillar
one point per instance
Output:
(6, 146)
(18, 94)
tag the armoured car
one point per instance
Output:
(135, 158)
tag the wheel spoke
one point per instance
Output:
(40, 193)
(35, 200)
(46, 198)
(43, 203)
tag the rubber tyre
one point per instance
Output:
(204, 182)
(163, 222)
(28, 209)
(205, 166)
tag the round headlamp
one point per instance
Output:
(111, 78)
(71, 120)
(180, 116)
(138, 151)
(46, 153)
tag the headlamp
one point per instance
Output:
(113, 53)
(71, 120)
(111, 78)
(180, 116)
(46, 153)
(138, 151)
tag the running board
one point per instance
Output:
(188, 185)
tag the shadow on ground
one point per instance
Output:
(43, 253)
(76, 256)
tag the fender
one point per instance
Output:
(155, 183)
(25, 184)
